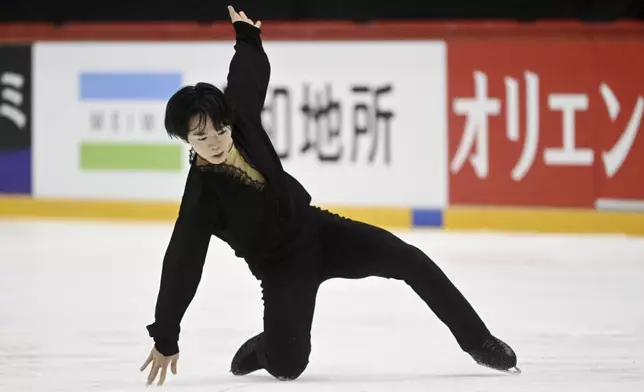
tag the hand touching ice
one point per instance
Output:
(160, 363)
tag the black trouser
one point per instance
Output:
(349, 249)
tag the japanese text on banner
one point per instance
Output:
(353, 125)
(541, 124)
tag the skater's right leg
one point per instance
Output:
(283, 348)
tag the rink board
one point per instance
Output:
(337, 125)
(401, 125)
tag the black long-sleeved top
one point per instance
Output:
(261, 225)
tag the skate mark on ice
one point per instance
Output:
(395, 378)
(234, 388)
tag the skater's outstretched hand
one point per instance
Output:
(241, 17)
(160, 362)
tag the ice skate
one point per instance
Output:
(497, 355)
(245, 360)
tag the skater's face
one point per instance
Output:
(211, 144)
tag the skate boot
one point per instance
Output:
(246, 360)
(496, 354)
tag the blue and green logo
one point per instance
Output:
(125, 113)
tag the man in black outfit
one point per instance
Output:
(238, 191)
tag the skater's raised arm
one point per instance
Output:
(182, 269)
(249, 71)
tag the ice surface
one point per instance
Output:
(75, 299)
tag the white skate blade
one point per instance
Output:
(514, 371)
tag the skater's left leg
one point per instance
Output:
(351, 249)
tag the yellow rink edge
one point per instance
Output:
(544, 220)
(29, 208)
(453, 218)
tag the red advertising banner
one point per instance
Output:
(553, 123)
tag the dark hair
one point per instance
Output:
(201, 100)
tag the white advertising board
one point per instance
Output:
(358, 123)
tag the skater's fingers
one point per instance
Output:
(242, 16)
(173, 365)
(164, 372)
(150, 374)
(234, 16)
(154, 371)
(258, 24)
(246, 19)
(147, 362)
